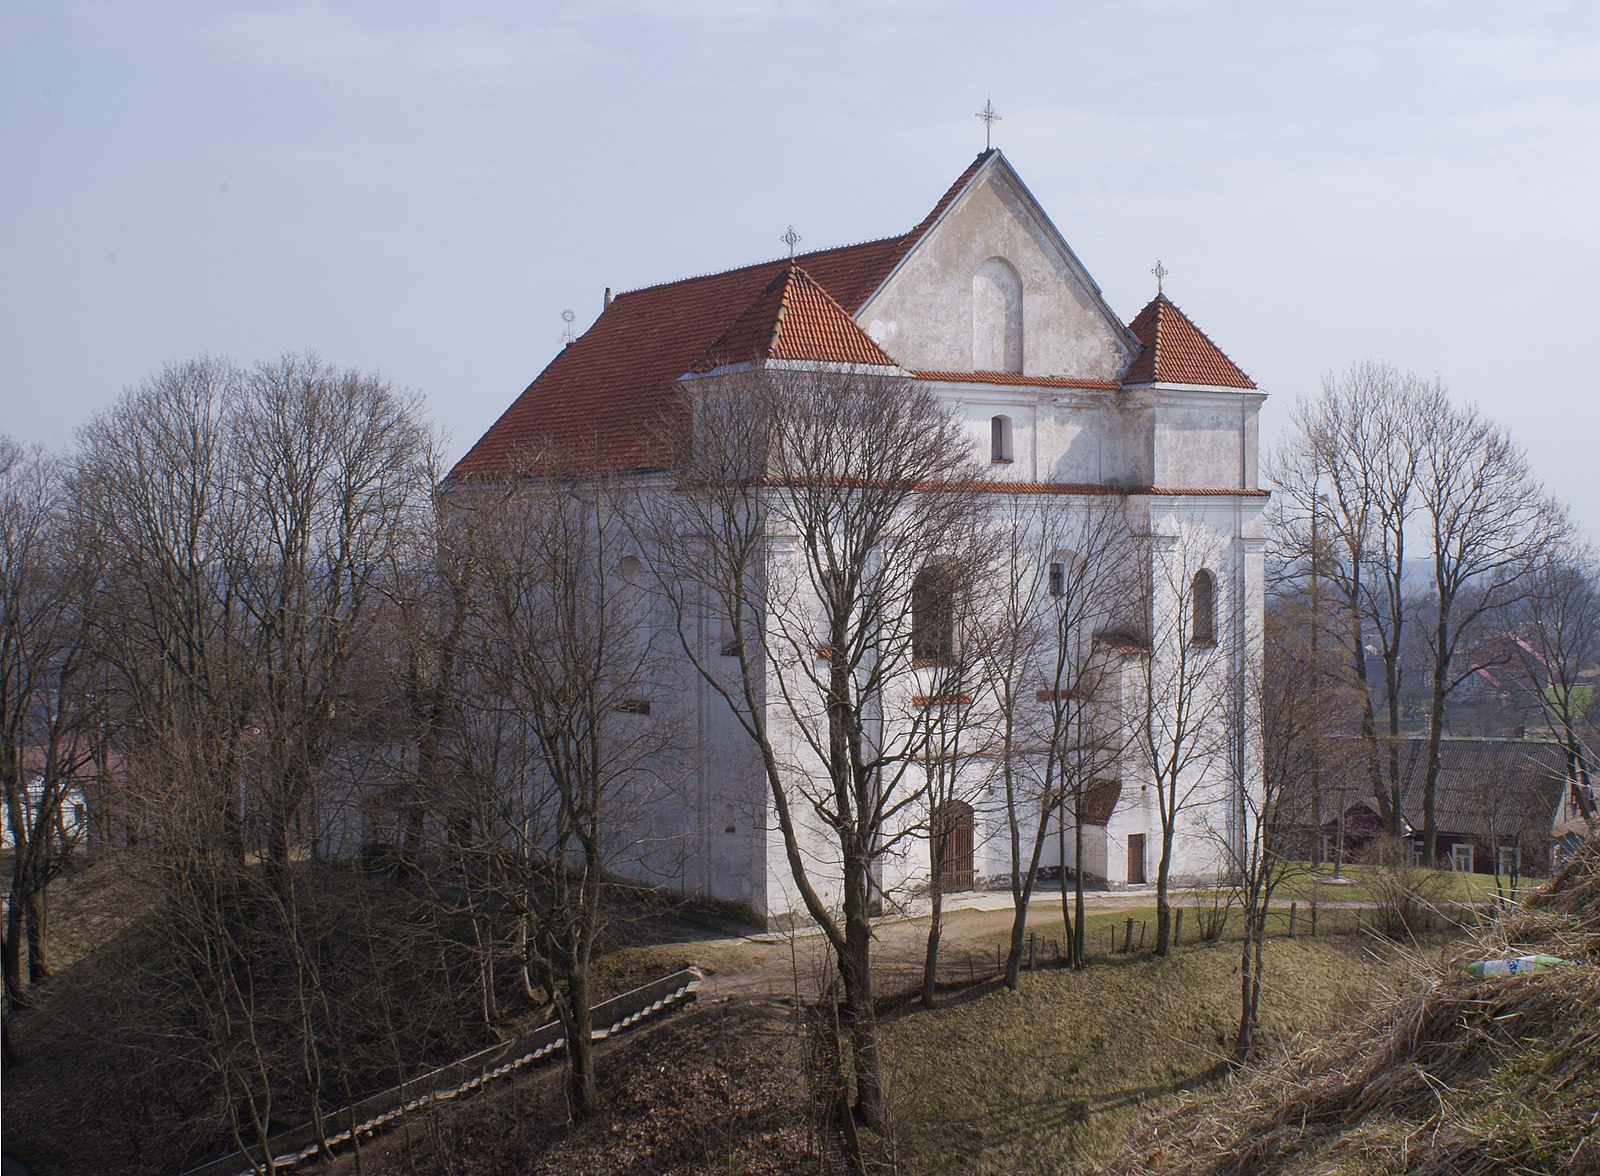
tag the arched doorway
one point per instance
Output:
(952, 845)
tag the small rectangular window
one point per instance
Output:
(1058, 580)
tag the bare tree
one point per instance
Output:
(1389, 466)
(48, 739)
(1183, 708)
(243, 525)
(332, 467)
(1287, 713)
(806, 506)
(1489, 524)
(1057, 740)
(1558, 622)
(954, 738)
(1348, 490)
(567, 727)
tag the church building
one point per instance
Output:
(984, 304)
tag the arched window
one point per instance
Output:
(933, 615)
(996, 317)
(1057, 579)
(1203, 606)
(1000, 439)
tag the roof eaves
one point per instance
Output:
(946, 203)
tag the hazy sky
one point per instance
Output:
(422, 189)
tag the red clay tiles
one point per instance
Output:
(1178, 352)
(795, 319)
(610, 399)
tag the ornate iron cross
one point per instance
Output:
(1160, 272)
(791, 239)
(990, 116)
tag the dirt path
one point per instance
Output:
(778, 965)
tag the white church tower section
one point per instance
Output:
(993, 308)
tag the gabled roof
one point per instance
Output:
(794, 318)
(1486, 788)
(610, 397)
(1178, 352)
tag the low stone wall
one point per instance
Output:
(375, 1113)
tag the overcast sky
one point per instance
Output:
(422, 189)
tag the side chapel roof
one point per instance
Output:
(609, 398)
(1178, 352)
(794, 318)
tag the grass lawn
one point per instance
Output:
(1444, 885)
(1056, 1075)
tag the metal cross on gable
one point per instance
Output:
(791, 239)
(1160, 272)
(990, 116)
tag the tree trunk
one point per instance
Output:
(1080, 955)
(855, 971)
(582, 1094)
(1251, 964)
(1430, 780)
(930, 962)
(1163, 903)
(35, 918)
(11, 951)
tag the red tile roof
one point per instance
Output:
(1178, 352)
(609, 399)
(794, 318)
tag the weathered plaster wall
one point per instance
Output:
(924, 316)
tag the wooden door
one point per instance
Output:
(953, 838)
(1136, 859)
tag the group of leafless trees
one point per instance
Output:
(250, 635)
(1419, 550)
(253, 635)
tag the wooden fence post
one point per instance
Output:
(1177, 927)
(1292, 907)
(1033, 951)
(1127, 940)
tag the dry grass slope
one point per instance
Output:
(1059, 1075)
(1444, 1075)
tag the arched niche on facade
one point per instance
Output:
(996, 317)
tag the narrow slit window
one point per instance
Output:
(1000, 439)
(1058, 580)
(1203, 603)
(932, 616)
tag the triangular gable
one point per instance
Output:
(794, 319)
(896, 312)
(1175, 351)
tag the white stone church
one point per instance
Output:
(985, 304)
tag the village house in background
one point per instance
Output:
(984, 304)
(1506, 806)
